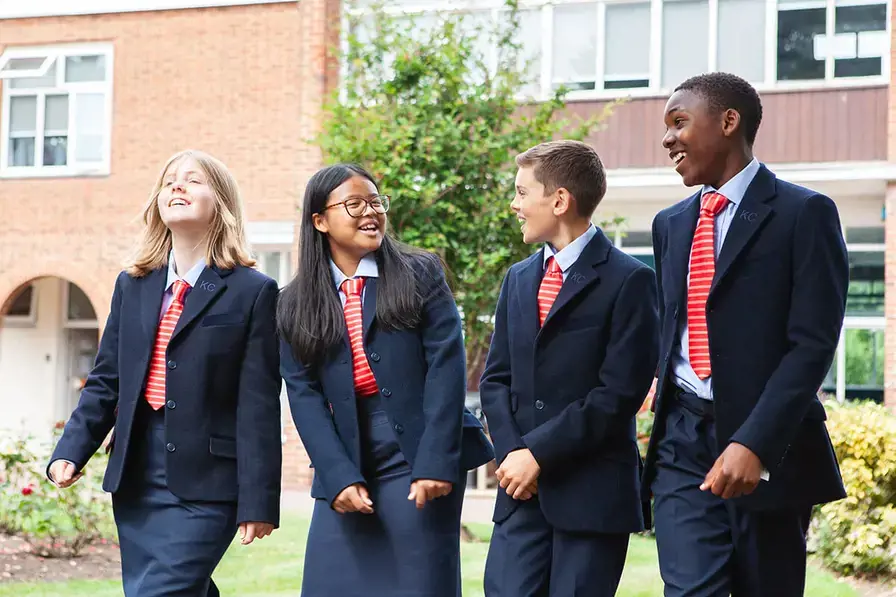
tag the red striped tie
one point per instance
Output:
(703, 269)
(155, 381)
(365, 383)
(549, 289)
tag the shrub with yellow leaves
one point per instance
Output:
(857, 535)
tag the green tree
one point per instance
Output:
(438, 122)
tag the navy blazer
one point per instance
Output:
(569, 391)
(222, 415)
(774, 315)
(421, 374)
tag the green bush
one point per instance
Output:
(53, 522)
(857, 535)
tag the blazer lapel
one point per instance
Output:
(681, 236)
(152, 288)
(208, 286)
(748, 219)
(582, 274)
(368, 308)
(529, 280)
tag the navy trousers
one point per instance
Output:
(710, 547)
(528, 558)
(169, 547)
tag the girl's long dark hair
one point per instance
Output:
(309, 312)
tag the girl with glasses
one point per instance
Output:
(373, 358)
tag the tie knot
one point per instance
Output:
(353, 286)
(180, 290)
(713, 203)
(553, 267)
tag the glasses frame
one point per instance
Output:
(386, 200)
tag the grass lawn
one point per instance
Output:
(273, 568)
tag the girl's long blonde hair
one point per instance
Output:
(226, 245)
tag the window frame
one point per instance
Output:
(57, 55)
(655, 89)
(24, 321)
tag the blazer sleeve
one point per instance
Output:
(625, 378)
(94, 416)
(445, 386)
(314, 422)
(258, 446)
(817, 307)
(660, 299)
(494, 386)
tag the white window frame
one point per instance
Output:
(655, 89)
(57, 55)
(71, 324)
(24, 321)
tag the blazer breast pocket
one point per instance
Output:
(222, 319)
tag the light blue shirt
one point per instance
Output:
(682, 373)
(569, 254)
(366, 269)
(191, 277)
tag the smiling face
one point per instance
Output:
(354, 236)
(186, 202)
(699, 140)
(534, 210)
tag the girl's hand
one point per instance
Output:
(423, 490)
(63, 474)
(250, 531)
(353, 498)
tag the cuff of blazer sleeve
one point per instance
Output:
(336, 480)
(436, 470)
(264, 507)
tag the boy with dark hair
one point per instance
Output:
(572, 356)
(752, 275)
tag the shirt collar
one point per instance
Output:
(366, 269)
(735, 189)
(191, 277)
(569, 254)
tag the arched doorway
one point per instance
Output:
(48, 343)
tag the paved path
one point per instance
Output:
(477, 508)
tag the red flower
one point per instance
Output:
(27, 490)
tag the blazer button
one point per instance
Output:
(374, 357)
(539, 404)
(172, 365)
(171, 447)
(171, 404)
(398, 428)
(386, 392)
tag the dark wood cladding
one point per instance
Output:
(828, 125)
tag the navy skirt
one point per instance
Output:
(398, 551)
(169, 546)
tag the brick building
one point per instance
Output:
(94, 98)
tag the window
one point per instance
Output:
(23, 309)
(741, 50)
(276, 264)
(812, 46)
(637, 243)
(599, 48)
(56, 111)
(685, 52)
(79, 311)
(574, 52)
(626, 65)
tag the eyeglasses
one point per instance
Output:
(357, 206)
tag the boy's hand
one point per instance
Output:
(518, 473)
(736, 472)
